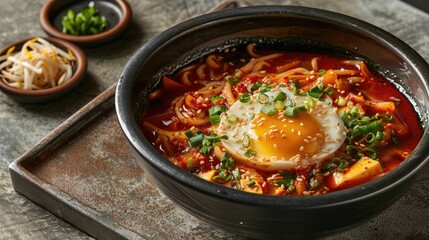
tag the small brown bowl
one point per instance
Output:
(117, 13)
(46, 95)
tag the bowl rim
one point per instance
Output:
(78, 73)
(407, 169)
(45, 22)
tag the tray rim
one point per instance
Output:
(53, 199)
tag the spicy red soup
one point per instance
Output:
(281, 123)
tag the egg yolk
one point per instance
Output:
(285, 137)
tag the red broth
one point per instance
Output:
(182, 121)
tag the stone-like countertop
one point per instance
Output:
(23, 125)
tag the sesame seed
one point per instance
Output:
(301, 148)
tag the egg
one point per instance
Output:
(278, 141)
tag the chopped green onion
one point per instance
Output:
(252, 87)
(253, 116)
(371, 152)
(244, 98)
(289, 103)
(280, 97)
(204, 142)
(249, 184)
(295, 83)
(250, 153)
(370, 137)
(336, 164)
(232, 80)
(315, 92)
(385, 117)
(321, 72)
(290, 111)
(269, 110)
(379, 135)
(221, 178)
(372, 127)
(352, 150)
(280, 105)
(246, 141)
(216, 110)
(309, 102)
(265, 88)
(217, 99)
(232, 119)
(263, 98)
(329, 91)
(86, 22)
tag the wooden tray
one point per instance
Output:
(84, 173)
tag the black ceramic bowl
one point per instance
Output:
(254, 215)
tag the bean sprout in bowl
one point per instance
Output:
(40, 69)
(211, 123)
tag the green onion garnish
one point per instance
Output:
(250, 153)
(315, 92)
(252, 87)
(251, 183)
(246, 141)
(370, 137)
(280, 105)
(216, 110)
(265, 88)
(232, 119)
(216, 99)
(352, 150)
(290, 111)
(280, 97)
(232, 80)
(263, 98)
(244, 98)
(269, 110)
(86, 22)
(379, 135)
(329, 91)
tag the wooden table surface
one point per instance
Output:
(23, 125)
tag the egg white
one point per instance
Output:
(322, 112)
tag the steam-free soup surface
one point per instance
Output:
(281, 122)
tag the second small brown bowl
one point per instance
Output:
(49, 94)
(117, 13)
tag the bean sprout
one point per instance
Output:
(39, 65)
